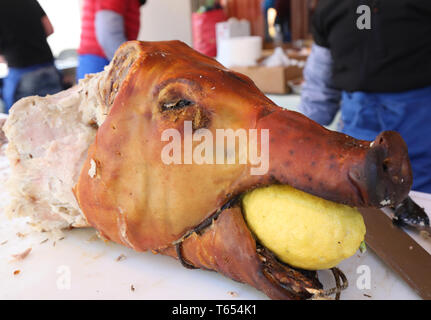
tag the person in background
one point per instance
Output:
(266, 5)
(283, 18)
(374, 62)
(106, 24)
(24, 27)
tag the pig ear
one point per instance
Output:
(123, 61)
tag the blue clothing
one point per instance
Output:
(110, 31)
(90, 63)
(319, 101)
(41, 79)
(365, 115)
(268, 4)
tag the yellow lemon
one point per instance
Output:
(303, 230)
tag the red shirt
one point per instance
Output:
(129, 9)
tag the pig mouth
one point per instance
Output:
(303, 283)
(299, 283)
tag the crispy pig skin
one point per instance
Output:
(132, 197)
(136, 199)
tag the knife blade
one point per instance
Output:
(399, 251)
(408, 214)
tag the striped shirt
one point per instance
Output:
(129, 9)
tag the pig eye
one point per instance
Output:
(176, 105)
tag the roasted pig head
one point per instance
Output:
(176, 139)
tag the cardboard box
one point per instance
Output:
(300, 55)
(271, 79)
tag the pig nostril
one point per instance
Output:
(385, 165)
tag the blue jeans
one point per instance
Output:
(365, 115)
(38, 80)
(90, 63)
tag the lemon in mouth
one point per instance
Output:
(303, 230)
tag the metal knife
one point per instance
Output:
(409, 214)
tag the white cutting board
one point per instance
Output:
(80, 266)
